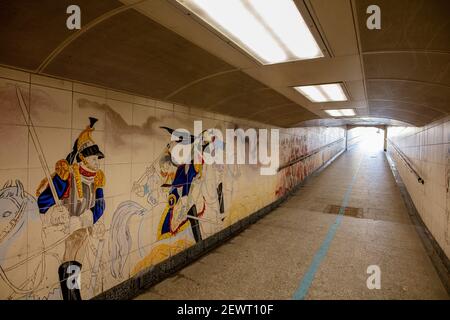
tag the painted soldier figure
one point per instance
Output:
(79, 183)
(179, 210)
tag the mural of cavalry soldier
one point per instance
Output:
(179, 212)
(79, 183)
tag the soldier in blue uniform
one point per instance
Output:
(79, 183)
(180, 212)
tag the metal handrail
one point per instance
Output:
(315, 151)
(405, 159)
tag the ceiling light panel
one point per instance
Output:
(347, 112)
(341, 112)
(272, 31)
(331, 92)
(334, 113)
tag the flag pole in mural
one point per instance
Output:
(37, 146)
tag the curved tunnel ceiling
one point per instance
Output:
(406, 64)
(126, 50)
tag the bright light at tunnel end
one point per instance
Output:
(272, 31)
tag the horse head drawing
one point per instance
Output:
(19, 217)
(15, 206)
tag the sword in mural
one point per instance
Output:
(37, 146)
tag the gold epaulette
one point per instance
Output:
(62, 169)
(99, 179)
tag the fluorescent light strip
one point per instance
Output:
(284, 19)
(341, 112)
(334, 91)
(334, 113)
(313, 93)
(347, 112)
(323, 92)
(272, 31)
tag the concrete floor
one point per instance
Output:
(272, 258)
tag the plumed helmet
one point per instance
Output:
(85, 145)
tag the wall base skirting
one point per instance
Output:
(438, 257)
(144, 280)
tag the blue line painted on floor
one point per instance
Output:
(307, 280)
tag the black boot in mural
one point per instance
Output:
(68, 273)
(220, 197)
(195, 225)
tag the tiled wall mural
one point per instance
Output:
(427, 148)
(116, 205)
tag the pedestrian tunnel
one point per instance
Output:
(289, 149)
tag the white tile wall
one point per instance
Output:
(428, 149)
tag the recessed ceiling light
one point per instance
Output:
(272, 31)
(347, 112)
(334, 113)
(341, 112)
(323, 92)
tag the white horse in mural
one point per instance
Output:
(204, 195)
(120, 238)
(23, 276)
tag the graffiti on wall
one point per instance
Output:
(300, 158)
